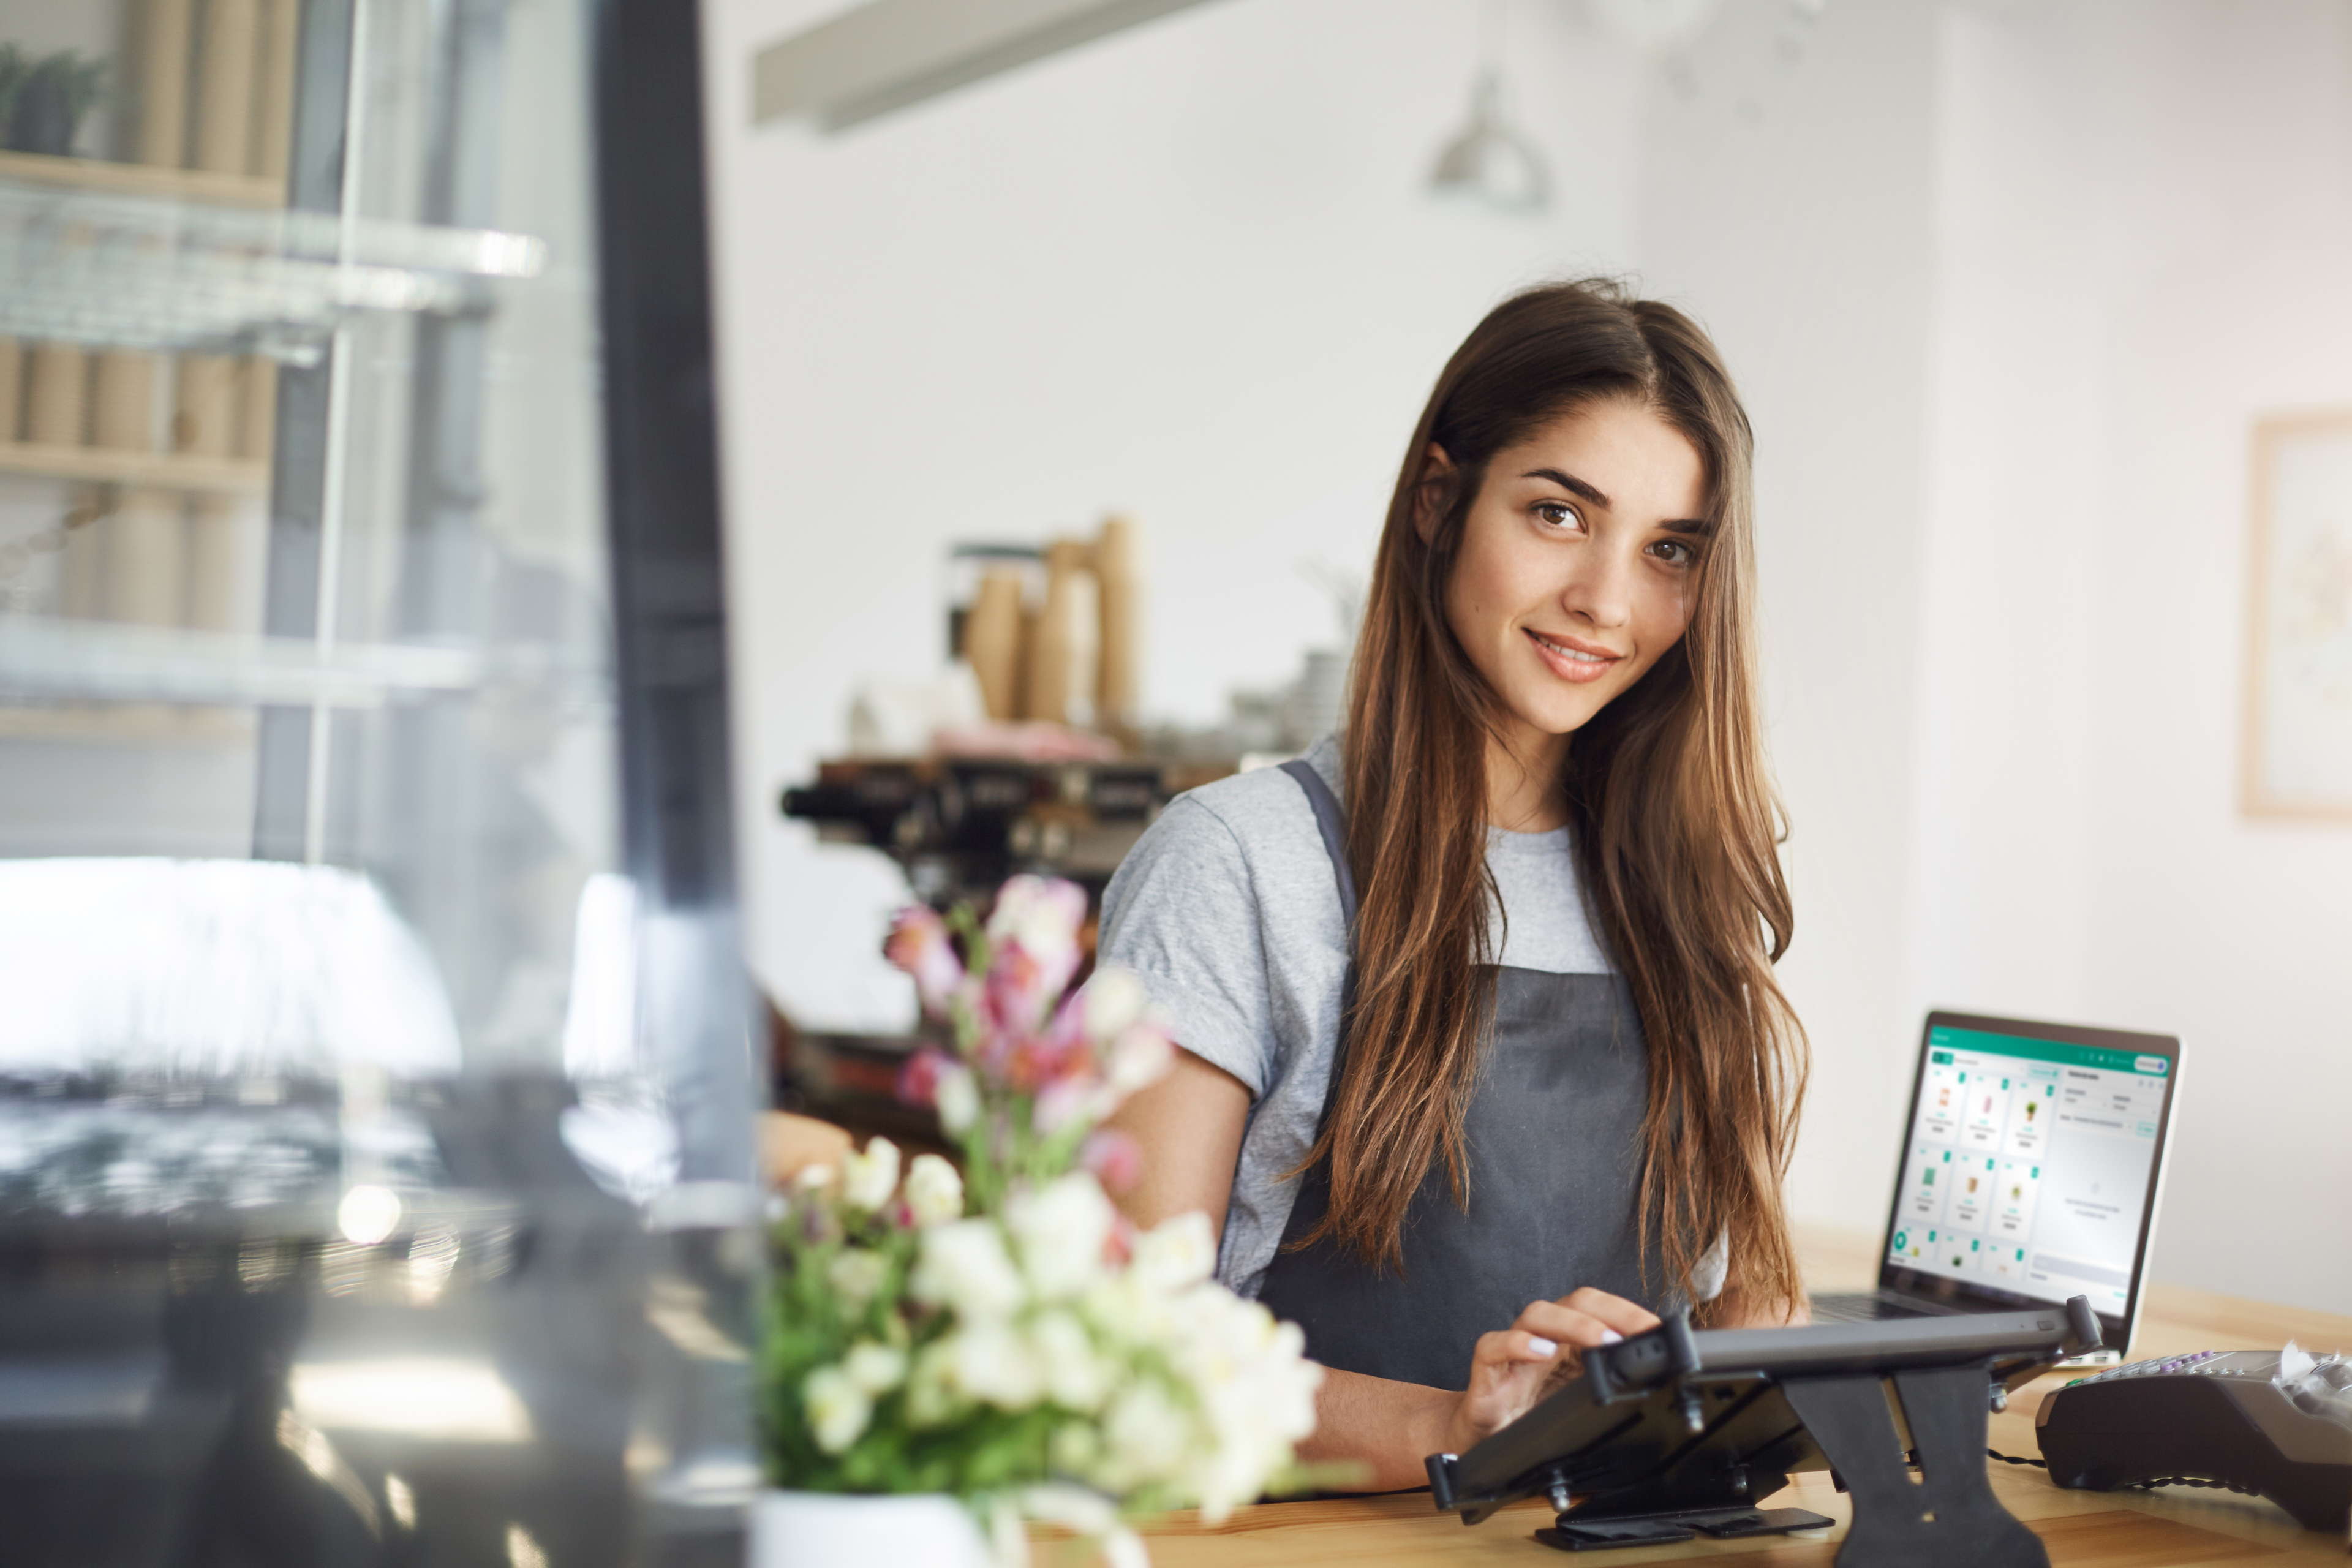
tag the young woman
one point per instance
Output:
(1487, 1063)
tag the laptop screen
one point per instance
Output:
(2029, 1167)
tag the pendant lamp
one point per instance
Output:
(1490, 163)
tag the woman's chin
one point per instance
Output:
(1560, 712)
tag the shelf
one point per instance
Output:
(142, 180)
(141, 726)
(138, 271)
(888, 55)
(49, 660)
(159, 470)
(61, 660)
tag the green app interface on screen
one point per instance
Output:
(2029, 1164)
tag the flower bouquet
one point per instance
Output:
(1004, 1337)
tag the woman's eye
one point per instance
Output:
(1673, 553)
(1557, 514)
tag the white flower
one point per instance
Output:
(963, 1265)
(1253, 1387)
(856, 1275)
(1089, 1514)
(1148, 1435)
(934, 1191)
(995, 1364)
(1073, 1448)
(875, 1368)
(957, 1098)
(1076, 1377)
(837, 1408)
(1138, 1058)
(1008, 1537)
(1059, 1231)
(810, 1180)
(1124, 1310)
(930, 1387)
(868, 1177)
(1112, 1000)
(1177, 1252)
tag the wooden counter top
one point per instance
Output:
(2176, 1528)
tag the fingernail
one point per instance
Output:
(1541, 1346)
(1611, 1337)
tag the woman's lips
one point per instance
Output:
(1565, 663)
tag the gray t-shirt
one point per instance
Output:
(1227, 909)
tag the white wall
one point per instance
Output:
(2151, 217)
(1188, 272)
(2239, 932)
(2137, 221)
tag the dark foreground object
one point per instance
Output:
(2216, 1418)
(1677, 1432)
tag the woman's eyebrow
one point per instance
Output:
(1570, 483)
(1696, 526)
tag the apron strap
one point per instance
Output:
(1334, 825)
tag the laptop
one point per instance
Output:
(2032, 1164)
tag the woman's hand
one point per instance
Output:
(1513, 1368)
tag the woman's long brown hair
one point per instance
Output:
(1676, 825)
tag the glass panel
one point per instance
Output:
(340, 1203)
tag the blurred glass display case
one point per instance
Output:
(375, 1084)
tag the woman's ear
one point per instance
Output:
(1429, 495)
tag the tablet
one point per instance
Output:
(1680, 1418)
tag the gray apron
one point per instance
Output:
(1553, 1141)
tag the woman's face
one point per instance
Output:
(1578, 564)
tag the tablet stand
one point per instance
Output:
(1949, 1518)
(1679, 1432)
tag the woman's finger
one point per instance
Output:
(1510, 1347)
(1566, 1325)
(1625, 1317)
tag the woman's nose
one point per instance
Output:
(1599, 593)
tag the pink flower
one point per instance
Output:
(1041, 916)
(1120, 1246)
(994, 1050)
(919, 1080)
(1061, 1052)
(1019, 988)
(919, 945)
(1116, 1159)
(1077, 1097)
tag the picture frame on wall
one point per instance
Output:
(2296, 752)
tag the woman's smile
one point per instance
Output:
(1572, 658)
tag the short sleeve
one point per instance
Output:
(1181, 914)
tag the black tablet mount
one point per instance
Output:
(1678, 1432)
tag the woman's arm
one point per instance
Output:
(1389, 1429)
(1189, 1126)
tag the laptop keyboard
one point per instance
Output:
(1854, 1306)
